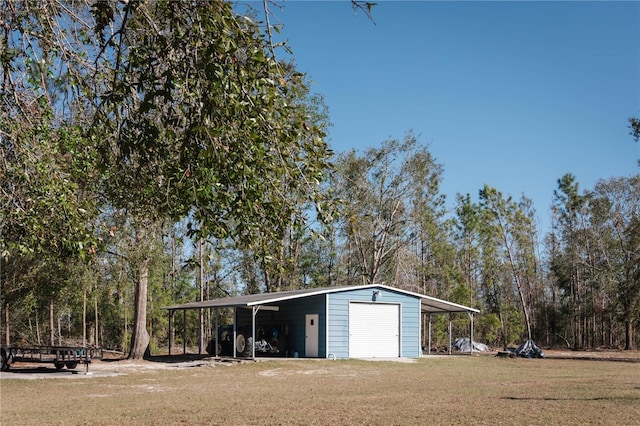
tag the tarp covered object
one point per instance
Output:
(463, 344)
(529, 350)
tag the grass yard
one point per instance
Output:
(433, 390)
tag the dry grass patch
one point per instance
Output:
(440, 390)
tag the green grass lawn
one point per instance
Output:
(438, 390)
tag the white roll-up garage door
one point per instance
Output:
(374, 330)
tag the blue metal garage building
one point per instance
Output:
(365, 321)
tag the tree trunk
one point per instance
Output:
(52, 330)
(503, 328)
(7, 339)
(174, 271)
(628, 332)
(59, 331)
(97, 325)
(201, 344)
(84, 318)
(517, 278)
(38, 328)
(139, 336)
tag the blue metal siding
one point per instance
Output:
(293, 312)
(338, 308)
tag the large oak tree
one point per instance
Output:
(189, 110)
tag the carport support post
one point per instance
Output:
(171, 312)
(429, 350)
(423, 332)
(215, 333)
(254, 311)
(235, 329)
(200, 330)
(450, 333)
(471, 333)
(184, 331)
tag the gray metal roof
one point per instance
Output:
(428, 304)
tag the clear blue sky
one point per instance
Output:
(512, 94)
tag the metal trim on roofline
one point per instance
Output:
(267, 298)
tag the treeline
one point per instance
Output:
(155, 153)
(577, 287)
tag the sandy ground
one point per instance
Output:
(106, 368)
(100, 368)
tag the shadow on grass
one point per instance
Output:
(182, 358)
(167, 359)
(596, 398)
(593, 358)
(39, 370)
(174, 359)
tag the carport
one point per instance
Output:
(253, 303)
(332, 316)
(431, 306)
